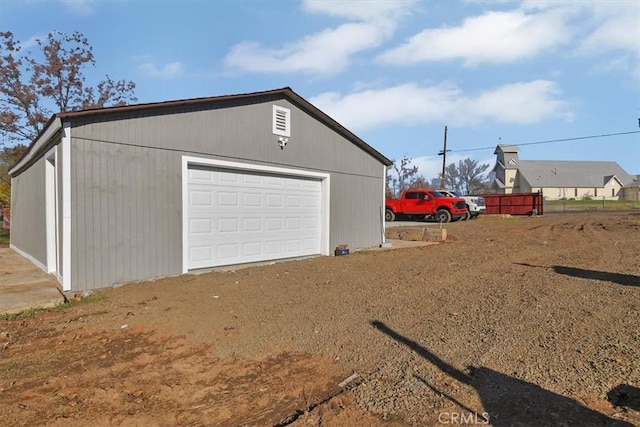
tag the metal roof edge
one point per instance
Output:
(170, 104)
(53, 125)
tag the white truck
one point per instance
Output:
(475, 204)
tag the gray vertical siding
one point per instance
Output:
(126, 189)
(236, 132)
(28, 212)
(355, 211)
(126, 223)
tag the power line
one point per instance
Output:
(605, 135)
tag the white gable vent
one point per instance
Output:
(281, 121)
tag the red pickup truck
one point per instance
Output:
(422, 203)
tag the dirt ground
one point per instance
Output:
(512, 321)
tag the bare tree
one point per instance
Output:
(402, 176)
(466, 177)
(33, 87)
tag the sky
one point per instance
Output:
(394, 72)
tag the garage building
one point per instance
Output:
(121, 194)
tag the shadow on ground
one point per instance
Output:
(508, 401)
(625, 395)
(605, 276)
(621, 279)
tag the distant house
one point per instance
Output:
(561, 179)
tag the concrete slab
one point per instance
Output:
(23, 285)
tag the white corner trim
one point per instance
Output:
(325, 214)
(51, 196)
(185, 216)
(325, 187)
(382, 206)
(37, 263)
(66, 206)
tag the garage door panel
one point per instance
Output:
(294, 246)
(311, 202)
(249, 180)
(198, 175)
(274, 247)
(293, 223)
(227, 199)
(273, 181)
(310, 244)
(227, 225)
(251, 249)
(228, 251)
(236, 217)
(312, 223)
(252, 200)
(292, 184)
(201, 226)
(294, 201)
(274, 200)
(201, 256)
(228, 178)
(273, 224)
(309, 185)
(200, 198)
(251, 224)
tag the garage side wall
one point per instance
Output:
(28, 212)
(356, 211)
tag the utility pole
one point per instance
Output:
(443, 153)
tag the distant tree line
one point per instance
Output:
(467, 177)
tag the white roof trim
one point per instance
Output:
(55, 126)
(612, 178)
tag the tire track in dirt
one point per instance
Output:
(135, 376)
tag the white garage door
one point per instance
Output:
(238, 217)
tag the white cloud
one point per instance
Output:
(616, 27)
(388, 11)
(525, 102)
(616, 32)
(431, 166)
(171, 69)
(329, 51)
(610, 28)
(531, 29)
(81, 7)
(406, 104)
(411, 104)
(324, 53)
(493, 37)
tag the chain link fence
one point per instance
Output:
(592, 204)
